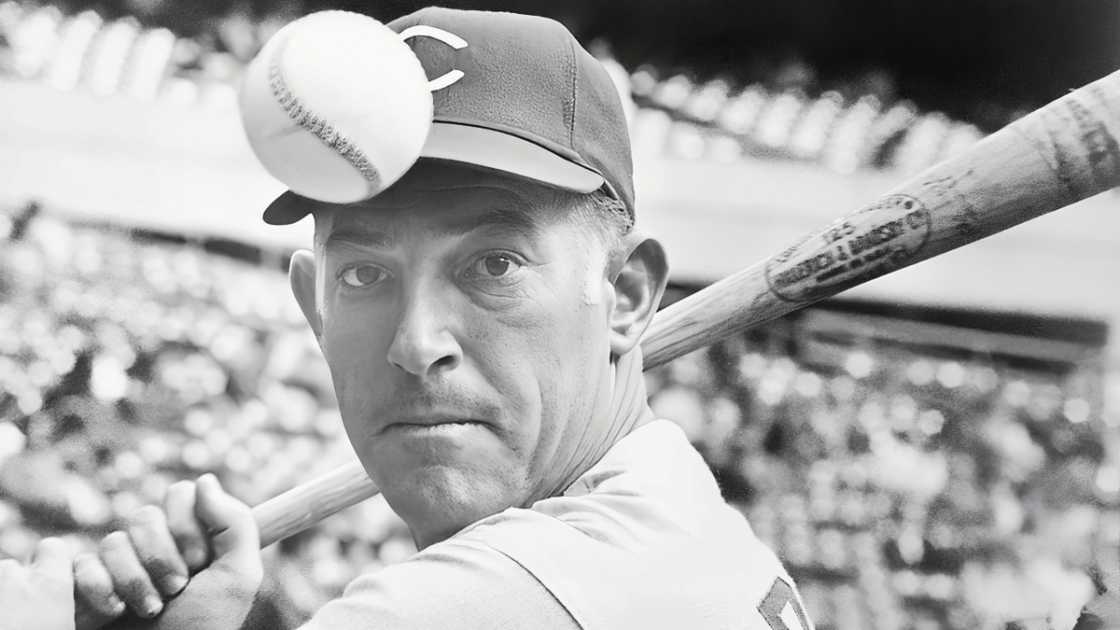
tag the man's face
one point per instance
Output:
(466, 328)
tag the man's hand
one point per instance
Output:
(1103, 612)
(201, 531)
(38, 596)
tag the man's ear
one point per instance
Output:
(301, 275)
(638, 287)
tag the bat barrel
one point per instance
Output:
(1062, 153)
(1077, 136)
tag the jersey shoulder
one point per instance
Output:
(451, 585)
(663, 579)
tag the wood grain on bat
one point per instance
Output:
(1060, 154)
(1051, 158)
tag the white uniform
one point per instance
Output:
(642, 540)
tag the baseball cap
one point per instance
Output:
(516, 94)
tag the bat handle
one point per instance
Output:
(305, 505)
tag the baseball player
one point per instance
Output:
(481, 321)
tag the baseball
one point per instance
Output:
(336, 106)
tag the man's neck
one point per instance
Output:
(627, 409)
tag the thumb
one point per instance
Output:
(233, 531)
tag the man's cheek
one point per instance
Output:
(356, 371)
(353, 343)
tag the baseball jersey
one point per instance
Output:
(643, 539)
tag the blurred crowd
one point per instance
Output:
(856, 124)
(904, 489)
(860, 125)
(128, 365)
(904, 486)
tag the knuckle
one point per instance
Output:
(86, 562)
(89, 578)
(52, 543)
(180, 490)
(147, 516)
(113, 543)
(181, 485)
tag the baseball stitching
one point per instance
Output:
(313, 123)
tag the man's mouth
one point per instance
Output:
(431, 423)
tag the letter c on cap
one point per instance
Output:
(451, 39)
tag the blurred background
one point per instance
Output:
(936, 449)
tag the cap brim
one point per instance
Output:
(477, 146)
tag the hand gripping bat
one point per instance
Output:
(1057, 155)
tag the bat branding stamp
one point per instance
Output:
(871, 242)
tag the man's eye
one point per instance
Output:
(359, 276)
(496, 265)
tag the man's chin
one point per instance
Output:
(438, 501)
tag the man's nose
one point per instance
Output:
(424, 344)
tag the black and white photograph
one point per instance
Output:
(582, 315)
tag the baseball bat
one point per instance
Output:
(1059, 154)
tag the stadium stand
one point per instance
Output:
(912, 475)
